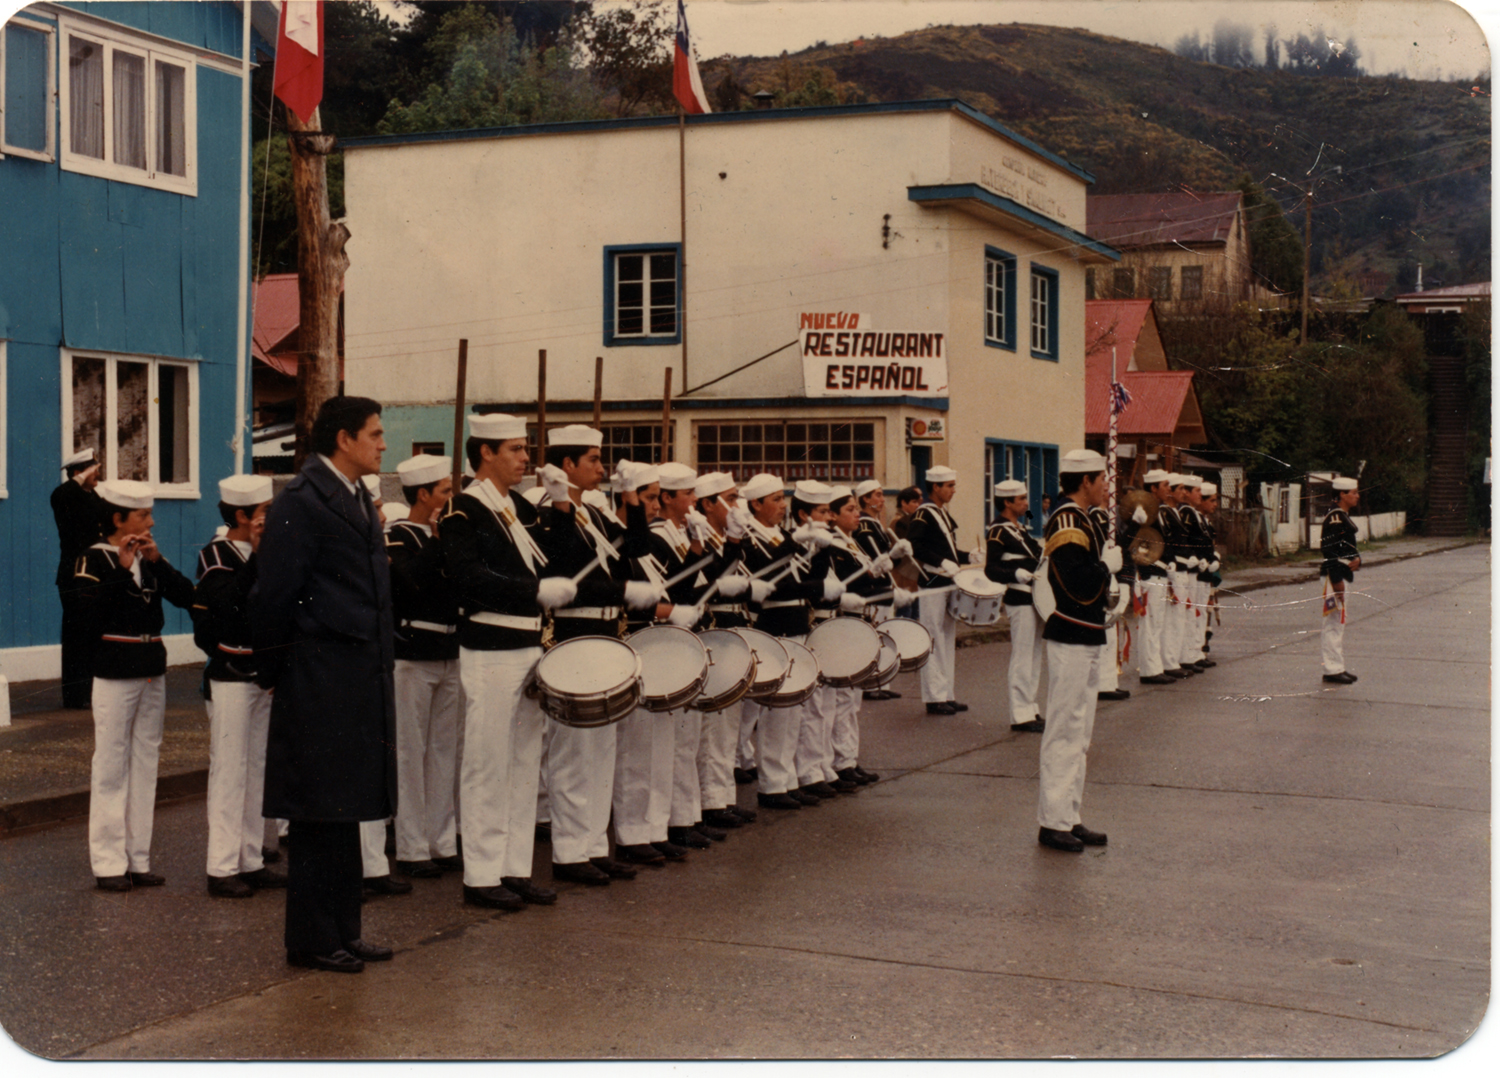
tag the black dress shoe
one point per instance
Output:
(368, 952)
(1158, 679)
(112, 883)
(868, 776)
(1344, 678)
(582, 872)
(263, 879)
(873, 694)
(742, 777)
(529, 892)
(854, 775)
(1189, 671)
(337, 962)
(843, 786)
(806, 800)
(717, 834)
(745, 815)
(384, 885)
(956, 706)
(270, 855)
(1030, 726)
(778, 801)
(723, 819)
(1177, 674)
(1198, 665)
(615, 870)
(1060, 840)
(419, 870)
(543, 832)
(1115, 694)
(1089, 838)
(455, 863)
(687, 838)
(1205, 662)
(670, 850)
(229, 887)
(643, 854)
(493, 898)
(819, 789)
(940, 709)
(146, 879)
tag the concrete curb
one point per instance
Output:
(1311, 575)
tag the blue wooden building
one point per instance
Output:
(123, 262)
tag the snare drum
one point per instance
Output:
(731, 668)
(887, 668)
(589, 681)
(975, 598)
(771, 662)
(848, 650)
(674, 666)
(912, 639)
(801, 679)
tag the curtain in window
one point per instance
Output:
(88, 404)
(130, 109)
(132, 410)
(170, 121)
(86, 97)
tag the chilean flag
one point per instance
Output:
(299, 57)
(686, 84)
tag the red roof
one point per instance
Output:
(1114, 323)
(1157, 398)
(278, 314)
(1126, 221)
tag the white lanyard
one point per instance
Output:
(499, 504)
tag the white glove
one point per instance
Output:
(902, 549)
(733, 584)
(555, 482)
(1121, 602)
(949, 567)
(1213, 566)
(640, 595)
(1139, 516)
(1193, 563)
(976, 556)
(832, 589)
(760, 590)
(881, 565)
(1171, 576)
(738, 523)
(684, 617)
(555, 591)
(850, 603)
(1112, 558)
(903, 598)
(697, 527)
(620, 480)
(813, 534)
(1024, 576)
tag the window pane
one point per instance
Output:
(171, 124)
(131, 411)
(1160, 282)
(172, 424)
(664, 267)
(864, 432)
(630, 323)
(86, 97)
(1192, 282)
(130, 109)
(663, 293)
(630, 267)
(817, 432)
(663, 320)
(25, 88)
(88, 405)
(1124, 284)
(708, 434)
(630, 294)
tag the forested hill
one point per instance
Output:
(1414, 185)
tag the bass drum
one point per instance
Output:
(912, 639)
(674, 666)
(771, 662)
(848, 650)
(887, 668)
(801, 679)
(589, 681)
(731, 668)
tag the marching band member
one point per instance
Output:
(581, 539)
(1109, 657)
(933, 534)
(239, 710)
(1011, 557)
(1340, 562)
(1157, 593)
(875, 539)
(77, 510)
(813, 757)
(429, 692)
(503, 584)
(1207, 510)
(1169, 523)
(119, 584)
(1080, 567)
(847, 556)
(1200, 553)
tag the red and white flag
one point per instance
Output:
(299, 57)
(686, 84)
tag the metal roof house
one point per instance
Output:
(124, 138)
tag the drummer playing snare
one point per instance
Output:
(1011, 557)
(933, 537)
(848, 557)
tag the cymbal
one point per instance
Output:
(1148, 545)
(1142, 498)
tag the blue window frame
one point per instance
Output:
(999, 298)
(1033, 463)
(1044, 323)
(643, 294)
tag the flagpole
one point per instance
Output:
(682, 231)
(1112, 449)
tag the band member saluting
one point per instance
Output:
(77, 511)
(934, 540)
(1340, 562)
(1011, 557)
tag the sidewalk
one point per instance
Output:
(45, 754)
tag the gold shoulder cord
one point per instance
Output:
(1061, 538)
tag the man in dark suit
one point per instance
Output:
(321, 615)
(78, 511)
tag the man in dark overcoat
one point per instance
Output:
(321, 616)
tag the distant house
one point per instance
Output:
(123, 280)
(1183, 250)
(274, 345)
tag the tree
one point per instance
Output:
(1275, 247)
(1273, 49)
(273, 223)
(630, 51)
(806, 86)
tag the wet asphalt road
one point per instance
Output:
(1294, 870)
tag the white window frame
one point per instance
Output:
(111, 39)
(4, 420)
(50, 152)
(111, 425)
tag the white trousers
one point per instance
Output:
(642, 799)
(1172, 641)
(239, 714)
(776, 733)
(716, 748)
(1191, 648)
(372, 856)
(1026, 653)
(1151, 628)
(1072, 697)
(1205, 592)
(501, 763)
(846, 729)
(429, 713)
(580, 789)
(937, 675)
(128, 716)
(814, 756)
(1332, 634)
(744, 753)
(1109, 669)
(687, 732)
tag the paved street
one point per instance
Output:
(1294, 869)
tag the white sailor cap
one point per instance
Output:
(631, 476)
(840, 492)
(676, 476)
(497, 427)
(245, 490)
(761, 486)
(126, 493)
(574, 434)
(394, 511)
(1208, 490)
(812, 492)
(1080, 460)
(941, 474)
(1189, 480)
(221, 531)
(372, 484)
(83, 456)
(1174, 480)
(1010, 488)
(1155, 476)
(869, 486)
(711, 483)
(1346, 482)
(423, 469)
(598, 499)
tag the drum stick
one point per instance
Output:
(689, 571)
(589, 568)
(888, 595)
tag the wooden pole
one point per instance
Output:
(458, 415)
(666, 418)
(321, 263)
(541, 406)
(598, 392)
(1306, 258)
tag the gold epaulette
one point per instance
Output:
(1063, 536)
